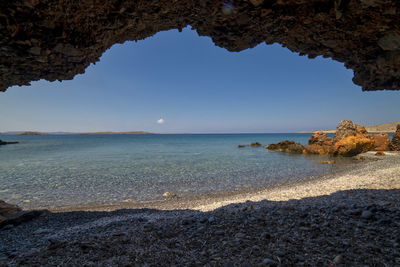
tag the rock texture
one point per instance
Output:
(321, 139)
(381, 142)
(287, 146)
(316, 149)
(55, 40)
(352, 145)
(344, 129)
(6, 209)
(319, 143)
(13, 215)
(350, 140)
(395, 143)
(256, 144)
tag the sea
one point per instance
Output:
(79, 170)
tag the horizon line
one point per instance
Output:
(139, 132)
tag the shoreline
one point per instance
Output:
(348, 178)
(347, 218)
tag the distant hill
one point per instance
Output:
(384, 127)
(378, 128)
(65, 133)
(99, 133)
(31, 133)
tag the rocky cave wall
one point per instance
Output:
(57, 39)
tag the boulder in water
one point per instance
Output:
(256, 144)
(287, 146)
(7, 143)
(319, 143)
(321, 139)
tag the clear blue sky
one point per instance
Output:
(197, 87)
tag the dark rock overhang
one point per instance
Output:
(57, 39)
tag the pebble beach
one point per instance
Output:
(348, 218)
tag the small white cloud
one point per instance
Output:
(161, 121)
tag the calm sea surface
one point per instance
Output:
(64, 170)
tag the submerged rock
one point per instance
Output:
(327, 162)
(395, 143)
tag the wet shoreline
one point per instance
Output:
(207, 202)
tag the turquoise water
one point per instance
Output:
(64, 170)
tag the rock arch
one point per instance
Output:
(57, 39)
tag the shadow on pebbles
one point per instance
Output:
(346, 228)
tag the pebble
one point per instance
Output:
(202, 219)
(366, 214)
(42, 231)
(268, 261)
(300, 257)
(169, 195)
(338, 259)
(265, 236)
(280, 253)
(219, 232)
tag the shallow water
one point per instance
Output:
(65, 170)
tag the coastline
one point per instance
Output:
(347, 218)
(374, 173)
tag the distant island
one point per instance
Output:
(378, 128)
(31, 133)
(101, 133)
(68, 133)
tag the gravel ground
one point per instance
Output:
(351, 218)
